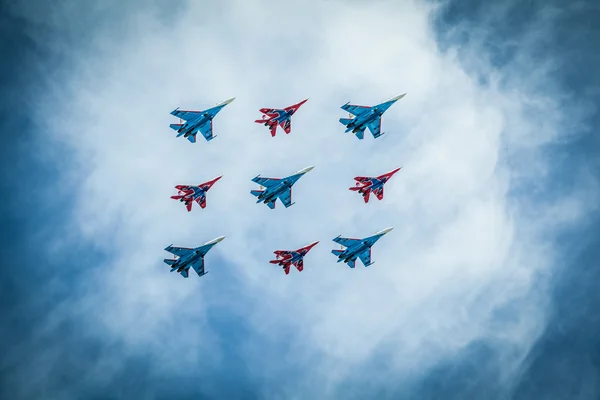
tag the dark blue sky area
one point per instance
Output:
(564, 364)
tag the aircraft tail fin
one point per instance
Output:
(345, 121)
(176, 127)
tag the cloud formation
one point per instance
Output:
(469, 253)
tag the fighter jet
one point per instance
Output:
(197, 121)
(188, 194)
(190, 258)
(366, 185)
(276, 188)
(287, 258)
(366, 117)
(357, 248)
(283, 117)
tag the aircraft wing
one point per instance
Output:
(379, 193)
(271, 112)
(185, 115)
(354, 109)
(286, 198)
(351, 263)
(286, 125)
(365, 257)
(283, 254)
(206, 130)
(363, 179)
(273, 129)
(346, 242)
(360, 133)
(198, 266)
(367, 195)
(375, 127)
(201, 200)
(178, 251)
(266, 182)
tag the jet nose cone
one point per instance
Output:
(386, 230)
(217, 240)
(305, 170)
(397, 97)
(228, 101)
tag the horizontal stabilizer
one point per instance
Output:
(176, 127)
(169, 261)
(345, 121)
(257, 192)
(337, 252)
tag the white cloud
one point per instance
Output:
(461, 248)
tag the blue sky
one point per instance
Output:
(485, 290)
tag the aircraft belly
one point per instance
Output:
(354, 253)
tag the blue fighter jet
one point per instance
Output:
(366, 117)
(357, 248)
(190, 258)
(197, 121)
(276, 188)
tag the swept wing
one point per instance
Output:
(186, 115)
(354, 109)
(346, 242)
(365, 257)
(286, 198)
(179, 251)
(266, 182)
